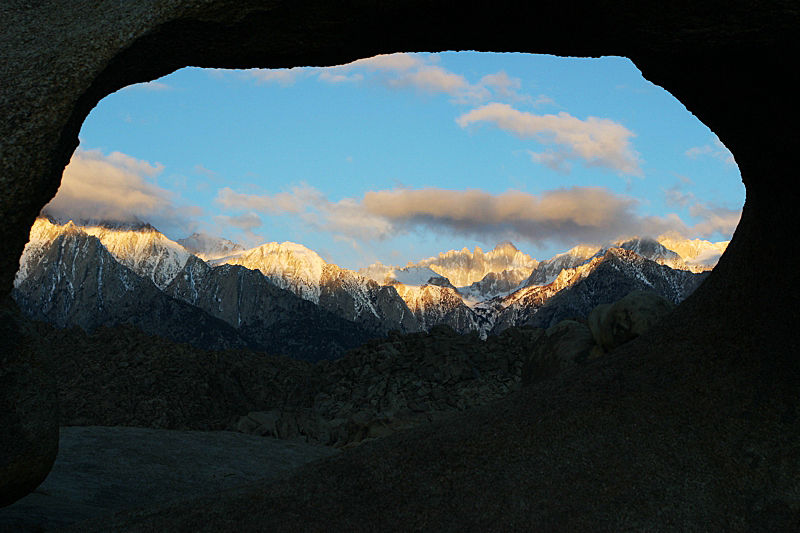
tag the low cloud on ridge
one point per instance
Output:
(120, 188)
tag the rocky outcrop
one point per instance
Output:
(612, 325)
(561, 347)
(122, 377)
(409, 380)
(28, 406)
(574, 341)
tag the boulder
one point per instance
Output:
(627, 318)
(28, 407)
(562, 346)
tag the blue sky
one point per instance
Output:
(400, 157)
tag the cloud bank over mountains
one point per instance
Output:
(122, 188)
(560, 216)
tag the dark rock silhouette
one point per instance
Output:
(29, 418)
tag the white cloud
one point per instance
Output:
(712, 218)
(117, 187)
(431, 78)
(400, 61)
(332, 77)
(246, 221)
(676, 196)
(597, 141)
(717, 151)
(199, 168)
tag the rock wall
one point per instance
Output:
(728, 62)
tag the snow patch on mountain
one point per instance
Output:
(547, 271)
(653, 250)
(44, 231)
(493, 285)
(705, 260)
(416, 277)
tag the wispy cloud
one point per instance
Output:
(596, 141)
(118, 187)
(716, 149)
(281, 76)
(408, 71)
(149, 86)
(714, 219)
(711, 218)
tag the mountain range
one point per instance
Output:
(284, 298)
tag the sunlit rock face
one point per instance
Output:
(679, 429)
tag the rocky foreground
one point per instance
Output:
(122, 377)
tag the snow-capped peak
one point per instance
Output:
(698, 254)
(143, 249)
(547, 271)
(289, 265)
(463, 267)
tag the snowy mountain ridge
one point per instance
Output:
(379, 297)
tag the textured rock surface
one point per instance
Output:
(28, 406)
(122, 377)
(689, 431)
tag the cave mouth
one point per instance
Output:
(278, 155)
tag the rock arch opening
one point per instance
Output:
(392, 160)
(743, 354)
